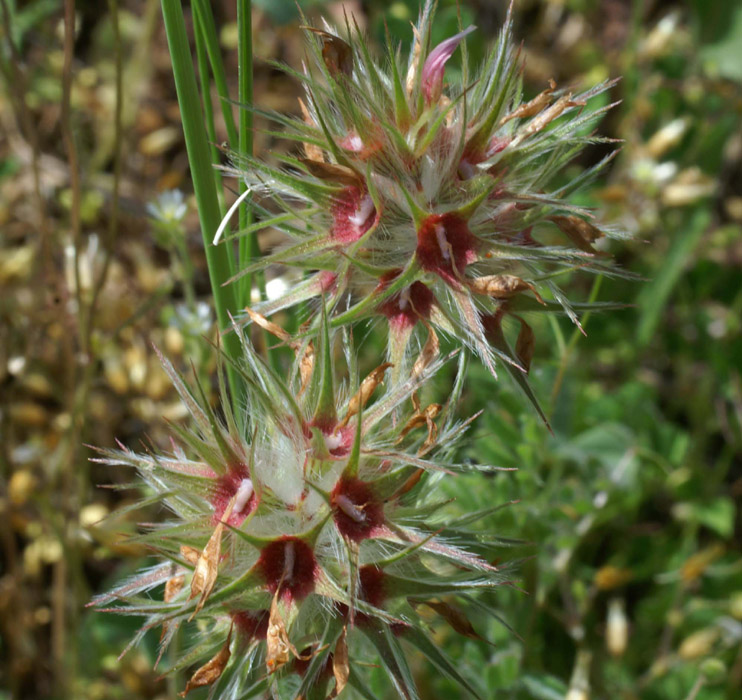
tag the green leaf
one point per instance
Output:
(717, 516)
(655, 295)
(543, 687)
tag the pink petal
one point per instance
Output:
(432, 75)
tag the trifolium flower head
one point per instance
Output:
(303, 530)
(429, 204)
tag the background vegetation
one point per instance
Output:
(627, 523)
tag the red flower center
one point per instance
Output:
(251, 624)
(404, 309)
(290, 563)
(372, 585)
(236, 483)
(357, 511)
(353, 214)
(446, 246)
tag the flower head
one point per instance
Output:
(302, 523)
(407, 189)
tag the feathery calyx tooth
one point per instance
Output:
(207, 565)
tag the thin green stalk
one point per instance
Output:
(204, 21)
(218, 258)
(248, 245)
(203, 74)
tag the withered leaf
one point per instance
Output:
(276, 638)
(278, 646)
(272, 328)
(430, 413)
(415, 62)
(311, 150)
(174, 586)
(533, 107)
(330, 171)
(525, 344)
(207, 566)
(340, 665)
(367, 388)
(336, 53)
(549, 115)
(190, 554)
(211, 670)
(415, 421)
(419, 419)
(306, 363)
(582, 233)
(427, 354)
(454, 616)
(410, 483)
(501, 286)
(306, 366)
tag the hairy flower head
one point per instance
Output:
(302, 529)
(431, 205)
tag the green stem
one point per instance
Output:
(204, 19)
(218, 259)
(248, 245)
(248, 248)
(203, 74)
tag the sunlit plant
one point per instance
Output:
(432, 206)
(306, 529)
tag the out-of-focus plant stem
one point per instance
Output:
(79, 350)
(570, 346)
(16, 80)
(62, 656)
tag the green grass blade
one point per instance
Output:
(654, 296)
(204, 20)
(248, 246)
(203, 74)
(218, 258)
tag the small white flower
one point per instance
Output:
(169, 207)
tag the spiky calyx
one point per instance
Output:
(302, 527)
(408, 184)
